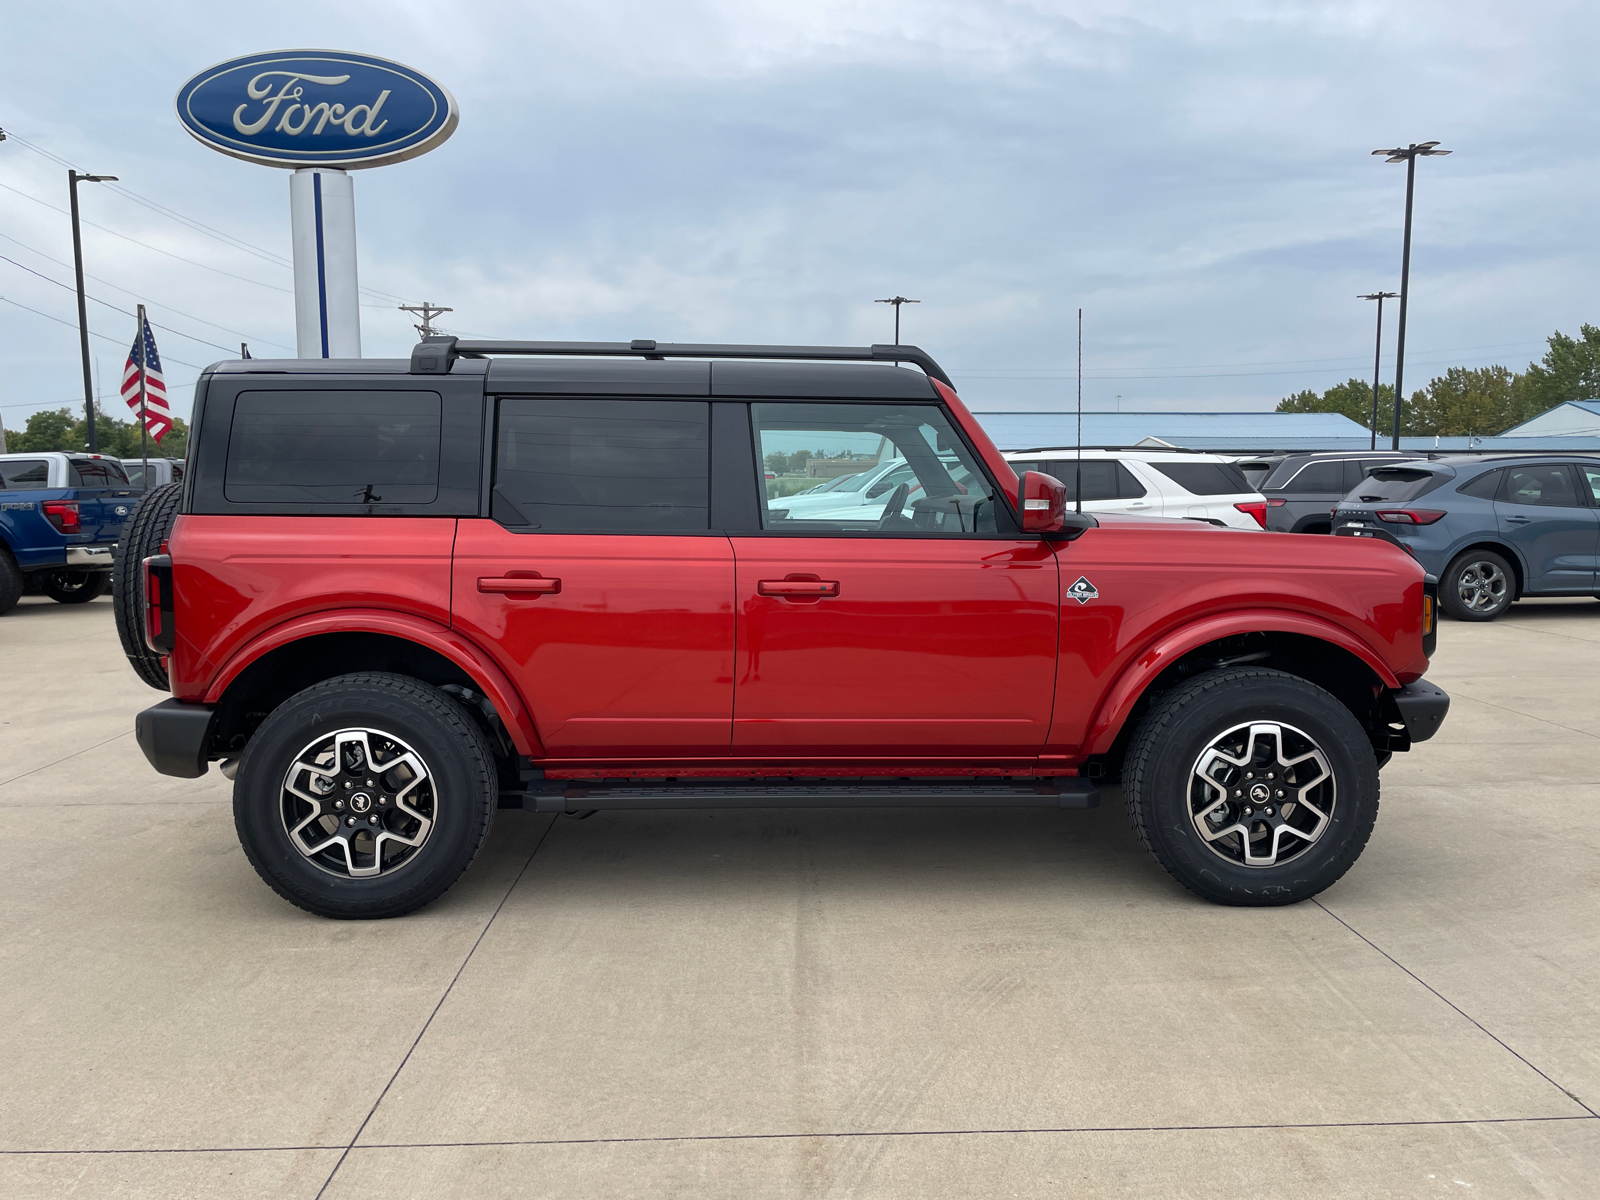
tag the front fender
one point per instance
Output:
(489, 678)
(1167, 649)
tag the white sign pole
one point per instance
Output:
(327, 302)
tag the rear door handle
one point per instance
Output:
(1519, 520)
(805, 588)
(519, 585)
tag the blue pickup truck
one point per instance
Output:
(60, 517)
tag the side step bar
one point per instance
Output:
(577, 796)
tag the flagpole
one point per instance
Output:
(144, 445)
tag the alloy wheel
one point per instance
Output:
(358, 803)
(1481, 586)
(1261, 794)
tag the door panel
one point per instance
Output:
(907, 647)
(1540, 512)
(629, 654)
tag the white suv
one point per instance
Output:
(1154, 483)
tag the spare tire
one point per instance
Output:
(146, 528)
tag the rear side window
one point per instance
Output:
(1325, 476)
(1484, 486)
(26, 474)
(333, 448)
(603, 466)
(1206, 479)
(95, 473)
(1547, 484)
(1397, 484)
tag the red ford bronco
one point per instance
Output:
(393, 596)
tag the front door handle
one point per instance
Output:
(519, 585)
(805, 589)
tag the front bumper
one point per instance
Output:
(176, 736)
(1422, 707)
(92, 557)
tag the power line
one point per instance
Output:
(92, 333)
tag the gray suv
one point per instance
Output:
(1492, 529)
(1302, 489)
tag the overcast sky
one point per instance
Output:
(1196, 176)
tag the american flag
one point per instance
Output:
(157, 416)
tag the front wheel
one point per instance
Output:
(74, 587)
(1252, 786)
(365, 796)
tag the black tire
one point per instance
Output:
(457, 794)
(74, 587)
(11, 582)
(1478, 585)
(1167, 801)
(146, 528)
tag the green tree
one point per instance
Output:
(1464, 401)
(1353, 399)
(1570, 370)
(57, 429)
(50, 429)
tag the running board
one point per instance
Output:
(574, 796)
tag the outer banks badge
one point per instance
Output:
(1083, 591)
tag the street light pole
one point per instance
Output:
(897, 302)
(1377, 357)
(1408, 155)
(73, 179)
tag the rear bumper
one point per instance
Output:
(94, 557)
(175, 737)
(1422, 707)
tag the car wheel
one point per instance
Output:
(11, 582)
(1252, 786)
(146, 528)
(74, 587)
(365, 796)
(1477, 586)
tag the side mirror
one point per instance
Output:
(1044, 508)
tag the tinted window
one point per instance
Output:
(1255, 473)
(334, 448)
(932, 484)
(1549, 485)
(95, 473)
(1591, 475)
(1397, 484)
(1103, 479)
(134, 472)
(1205, 479)
(1483, 487)
(1317, 477)
(603, 466)
(26, 474)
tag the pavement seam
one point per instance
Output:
(1519, 713)
(864, 1133)
(67, 758)
(421, 1033)
(1459, 1010)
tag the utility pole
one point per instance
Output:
(1408, 155)
(427, 310)
(73, 179)
(897, 302)
(1377, 355)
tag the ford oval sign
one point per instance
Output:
(316, 108)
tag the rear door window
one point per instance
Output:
(1205, 479)
(1103, 479)
(334, 449)
(1548, 485)
(95, 473)
(26, 474)
(603, 466)
(1317, 478)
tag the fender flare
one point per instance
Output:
(490, 679)
(1172, 645)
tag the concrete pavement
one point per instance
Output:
(809, 1004)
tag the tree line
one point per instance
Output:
(1471, 401)
(60, 429)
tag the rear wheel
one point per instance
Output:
(1252, 787)
(11, 582)
(74, 587)
(146, 528)
(1477, 586)
(365, 796)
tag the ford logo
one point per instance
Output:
(316, 108)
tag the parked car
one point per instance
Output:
(60, 515)
(162, 470)
(395, 598)
(1492, 529)
(1154, 483)
(1302, 489)
(1256, 467)
(865, 488)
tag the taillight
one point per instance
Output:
(63, 514)
(159, 632)
(1409, 516)
(1257, 509)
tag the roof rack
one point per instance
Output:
(435, 355)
